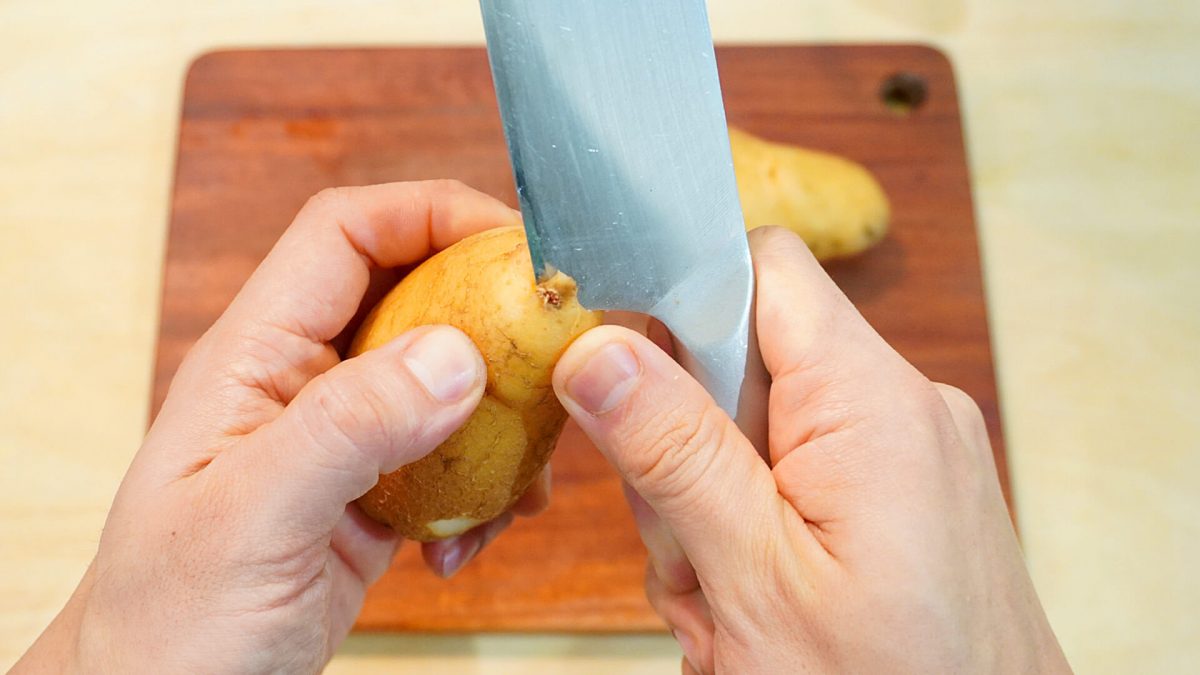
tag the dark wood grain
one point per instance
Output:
(263, 130)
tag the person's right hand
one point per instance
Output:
(874, 538)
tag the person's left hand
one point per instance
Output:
(233, 544)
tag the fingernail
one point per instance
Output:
(445, 362)
(606, 379)
(687, 645)
(458, 555)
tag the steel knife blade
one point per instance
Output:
(616, 130)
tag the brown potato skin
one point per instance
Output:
(484, 286)
(835, 205)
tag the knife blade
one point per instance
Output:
(616, 131)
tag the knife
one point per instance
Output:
(616, 131)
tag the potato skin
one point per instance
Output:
(835, 205)
(484, 286)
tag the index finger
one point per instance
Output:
(312, 281)
(823, 357)
(848, 415)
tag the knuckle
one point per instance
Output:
(353, 412)
(333, 206)
(440, 200)
(439, 193)
(777, 245)
(448, 185)
(327, 198)
(272, 361)
(676, 451)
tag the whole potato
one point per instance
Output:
(835, 205)
(484, 286)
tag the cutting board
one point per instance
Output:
(263, 130)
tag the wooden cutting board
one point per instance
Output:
(263, 130)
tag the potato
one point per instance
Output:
(836, 206)
(484, 286)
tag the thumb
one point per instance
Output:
(368, 415)
(667, 438)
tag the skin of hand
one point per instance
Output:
(870, 536)
(233, 544)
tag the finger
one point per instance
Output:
(688, 617)
(667, 438)
(369, 415)
(821, 354)
(274, 335)
(312, 281)
(643, 324)
(634, 321)
(838, 391)
(670, 563)
(363, 551)
(381, 282)
(658, 333)
(366, 546)
(449, 556)
(345, 602)
(537, 498)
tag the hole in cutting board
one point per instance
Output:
(904, 93)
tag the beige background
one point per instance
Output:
(1083, 122)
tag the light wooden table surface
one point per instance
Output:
(1083, 122)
